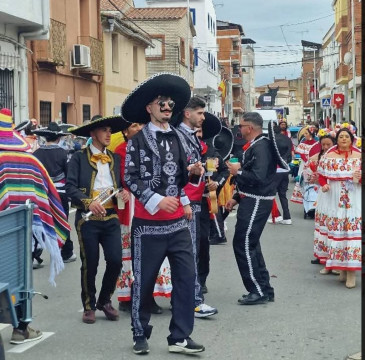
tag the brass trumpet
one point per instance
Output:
(103, 197)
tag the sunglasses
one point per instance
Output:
(162, 103)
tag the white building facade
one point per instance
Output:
(19, 21)
(206, 72)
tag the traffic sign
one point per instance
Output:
(326, 102)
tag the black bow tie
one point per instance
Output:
(164, 135)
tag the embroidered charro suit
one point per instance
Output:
(104, 231)
(152, 172)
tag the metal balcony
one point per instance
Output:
(96, 55)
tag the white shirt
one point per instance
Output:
(103, 178)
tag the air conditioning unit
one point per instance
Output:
(81, 56)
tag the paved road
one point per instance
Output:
(313, 316)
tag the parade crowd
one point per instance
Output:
(152, 187)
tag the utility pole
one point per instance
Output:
(354, 64)
(188, 41)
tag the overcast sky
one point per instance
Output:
(277, 27)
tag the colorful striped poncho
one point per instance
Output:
(23, 177)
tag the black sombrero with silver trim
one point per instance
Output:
(51, 130)
(116, 122)
(223, 142)
(133, 108)
(281, 162)
(211, 127)
(22, 126)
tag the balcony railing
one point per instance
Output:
(96, 55)
(53, 50)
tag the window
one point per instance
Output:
(135, 63)
(7, 90)
(158, 52)
(115, 53)
(86, 112)
(208, 21)
(182, 51)
(191, 52)
(45, 114)
(196, 61)
(192, 13)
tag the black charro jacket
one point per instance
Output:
(258, 168)
(81, 177)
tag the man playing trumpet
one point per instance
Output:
(91, 171)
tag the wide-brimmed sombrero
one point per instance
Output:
(281, 162)
(23, 125)
(10, 139)
(52, 130)
(211, 127)
(162, 84)
(116, 122)
(223, 142)
(65, 127)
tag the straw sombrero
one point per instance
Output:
(161, 84)
(223, 142)
(116, 122)
(10, 139)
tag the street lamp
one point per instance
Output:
(315, 47)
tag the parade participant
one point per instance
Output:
(281, 178)
(337, 234)
(190, 119)
(23, 177)
(223, 144)
(93, 171)
(156, 172)
(54, 159)
(307, 140)
(255, 184)
(163, 286)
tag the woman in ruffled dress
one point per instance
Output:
(337, 235)
(303, 149)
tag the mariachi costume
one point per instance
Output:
(256, 191)
(54, 159)
(89, 173)
(23, 177)
(156, 166)
(211, 127)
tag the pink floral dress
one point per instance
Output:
(338, 222)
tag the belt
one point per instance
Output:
(259, 197)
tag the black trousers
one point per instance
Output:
(194, 228)
(91, 234)
(203, 254)
(68, 247)
(252, 215)
(152, 241)
(281, 181)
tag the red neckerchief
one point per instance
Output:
(246, 146)
(346, 152)
(204, 147)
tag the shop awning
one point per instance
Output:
(10, 61)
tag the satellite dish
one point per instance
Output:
(347, 58)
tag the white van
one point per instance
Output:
(267, 115)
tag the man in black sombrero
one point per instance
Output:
(156, 172)
(187, 122)
(54, 159)
(91, 172)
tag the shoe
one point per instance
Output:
(217, 242)
(88, 317)
(271, 298)
(156, 309)
(335, 272)
(110, 313)
(286, 222)
(204, 289)
(37, 265)
(315, 261)
(125, 306)
(23, 336)
(72, 258)
(140, 346)
(204, 310)
(188, 346)
(278, 219)
(253, 299)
